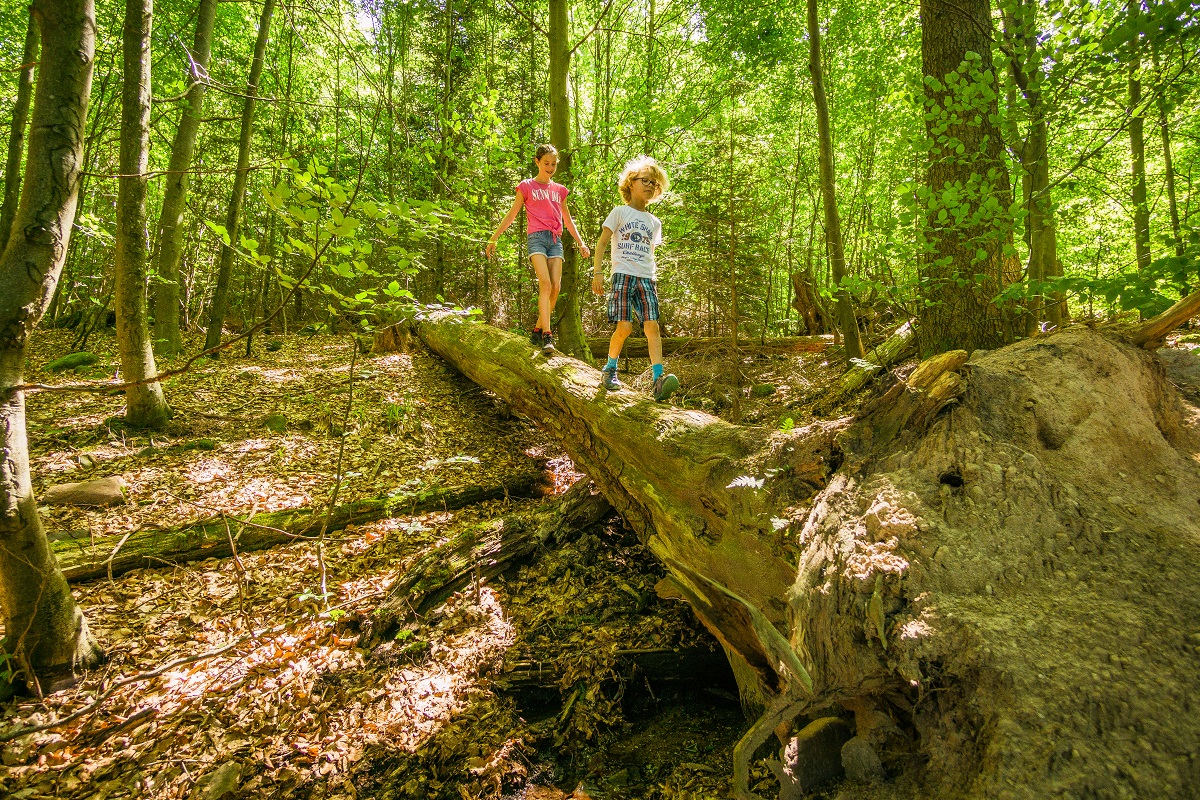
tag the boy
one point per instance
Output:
(634, 232)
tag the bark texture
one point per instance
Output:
(169, 243)
(44, 628)
(145, 406)
(16, 136)
(966, 218)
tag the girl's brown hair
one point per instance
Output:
(543, 149)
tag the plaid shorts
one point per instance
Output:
(631, 293)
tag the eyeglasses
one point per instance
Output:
(653, 184)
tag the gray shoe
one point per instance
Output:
(665, 386)
(535, 338)
(547, 343)
(609, 380)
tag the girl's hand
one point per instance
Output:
(490, 250)
(583, 248)
(597, 284)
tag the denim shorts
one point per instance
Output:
(546, 243)
(632, 294)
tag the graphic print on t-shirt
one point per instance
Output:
(635, 235)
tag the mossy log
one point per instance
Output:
(485, 551)
(84, 558)
(636, 347)
(893, 350)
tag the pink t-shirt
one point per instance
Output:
(543, 205)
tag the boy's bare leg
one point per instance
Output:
(653, 340)
(545, 287)
(620, 334)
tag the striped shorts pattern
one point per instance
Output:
(631, 293)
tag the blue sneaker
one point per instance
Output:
(665, 386)
(608, 379)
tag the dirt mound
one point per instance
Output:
(1017, 588)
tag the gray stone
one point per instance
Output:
(100, 492)
(813, 757)
(860, 761)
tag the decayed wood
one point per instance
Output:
(394, 338)
(1150, 334)
(86, 558)
(668, 472)
(894, 349)
(678, 345)
(484, 552)
(910, 404)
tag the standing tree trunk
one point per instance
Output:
(833, 224)
(170, 223)
(966, 179)
(45, 630)
(233, 214)
(1137, 152)
(1028, 76)
(16, 138)
(1169, 167)
(145, 406)
(570, 336)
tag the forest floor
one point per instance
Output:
(296, 707)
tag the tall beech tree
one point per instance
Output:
(45, 630)
(233, 212)
(16, 136)
(966, 193)
(169, 242)
(145, 406)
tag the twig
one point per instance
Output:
(120, 544)
(337, 477)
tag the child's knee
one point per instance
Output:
(650, 326)
(624, 327)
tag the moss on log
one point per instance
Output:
(85, 558)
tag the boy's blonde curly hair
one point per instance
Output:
(638, 167)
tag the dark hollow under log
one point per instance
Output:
(636, 347)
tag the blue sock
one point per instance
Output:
(612, 364)
(657, 369)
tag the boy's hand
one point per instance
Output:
(597, 284)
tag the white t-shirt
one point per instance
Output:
(634, 237)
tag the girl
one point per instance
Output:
(545, 204)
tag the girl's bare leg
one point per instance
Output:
(545, 287)
(555, 266)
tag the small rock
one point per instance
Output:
(860, 761)
(276, 423)
(100, 492)
(814, 755)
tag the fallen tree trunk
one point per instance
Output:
(680, 345)
(980, 576)
(82, 557)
